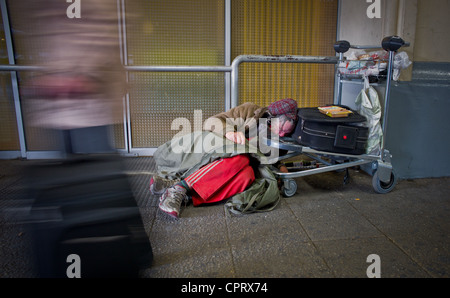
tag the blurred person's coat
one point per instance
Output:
(84, 82)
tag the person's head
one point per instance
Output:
(282, 125)
(283, 116)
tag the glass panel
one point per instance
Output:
(9, 138)
(169, 32)
(159, 98)
(285, 27)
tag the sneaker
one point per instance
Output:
(171, 200)
(159, 185)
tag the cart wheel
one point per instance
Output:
(382, 187)
(290, 190)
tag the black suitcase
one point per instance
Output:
(85, 221)
(345, 135)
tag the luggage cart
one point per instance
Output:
(384, 177)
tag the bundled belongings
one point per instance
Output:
(373, 64)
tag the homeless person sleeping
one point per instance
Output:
(229, 163)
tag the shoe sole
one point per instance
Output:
(172, 215)
(156, 193)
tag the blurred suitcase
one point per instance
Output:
(318, 131)
(85, 207)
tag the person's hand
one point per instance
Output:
(237, 137)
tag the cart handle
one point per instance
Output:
(393, 43)
(389, 43)
(341, 46)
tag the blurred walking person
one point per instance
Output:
(84, 210)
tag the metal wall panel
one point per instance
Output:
(285, 27)
(190, 33)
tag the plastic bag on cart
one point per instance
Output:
(401, 61)
(368, 104)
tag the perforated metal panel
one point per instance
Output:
(9, 139)
(173, 33)
(285, 27)
(35, 138)
(157, 99)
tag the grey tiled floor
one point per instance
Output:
(326, 230)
